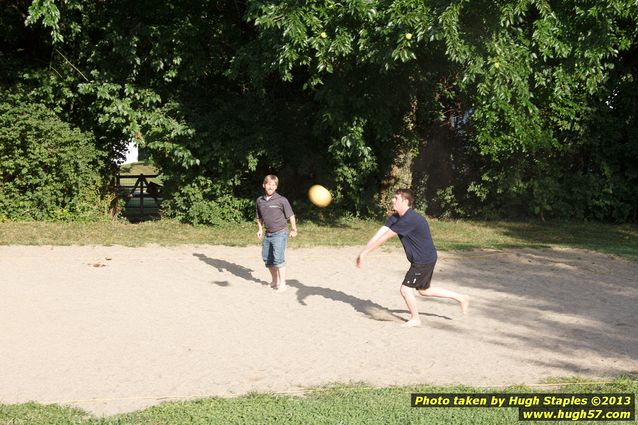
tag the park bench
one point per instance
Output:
(142, 197)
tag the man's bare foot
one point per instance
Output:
(465, 304)
(412, 323)
(281, 288)
(273, 285)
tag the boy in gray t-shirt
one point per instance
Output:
(273, 213)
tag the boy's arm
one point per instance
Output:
(293, 226)
(260, 228)
(379, 238)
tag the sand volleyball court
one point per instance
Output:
(116, 329)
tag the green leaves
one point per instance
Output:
(48, 171)
(47, 12)
(512, 91)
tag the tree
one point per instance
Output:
(507, 99)
(523, 79)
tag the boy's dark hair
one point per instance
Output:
(406, 194)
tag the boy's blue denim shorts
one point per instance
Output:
(273, 248)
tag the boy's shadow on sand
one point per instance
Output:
(370, 309)
(223, 265)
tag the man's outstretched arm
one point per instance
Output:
(379, 238)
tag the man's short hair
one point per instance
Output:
(271, 178)
(406, 194)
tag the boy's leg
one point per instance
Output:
(408, 296)
(268, 255)
(281, 279)
(279, 248)
(273, 274)
(464, 300)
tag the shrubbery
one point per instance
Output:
(48, 170)
(201, 202)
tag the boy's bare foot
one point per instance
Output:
(465, 304)
(281, 288)
(412, 323)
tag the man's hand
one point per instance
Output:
(293, 233)
(260, 234)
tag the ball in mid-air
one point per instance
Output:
(319, 196)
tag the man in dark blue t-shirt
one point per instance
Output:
(414, 232)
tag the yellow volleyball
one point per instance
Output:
(319, 196)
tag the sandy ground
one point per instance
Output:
(116, 329)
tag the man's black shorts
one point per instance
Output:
(419, 276)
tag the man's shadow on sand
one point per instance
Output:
(371, 309)
(367, 307)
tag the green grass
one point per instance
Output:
(341, 404)
(140, 167)
(137, 168)
(619, 240)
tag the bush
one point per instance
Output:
(203, 202)
(48, 171)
